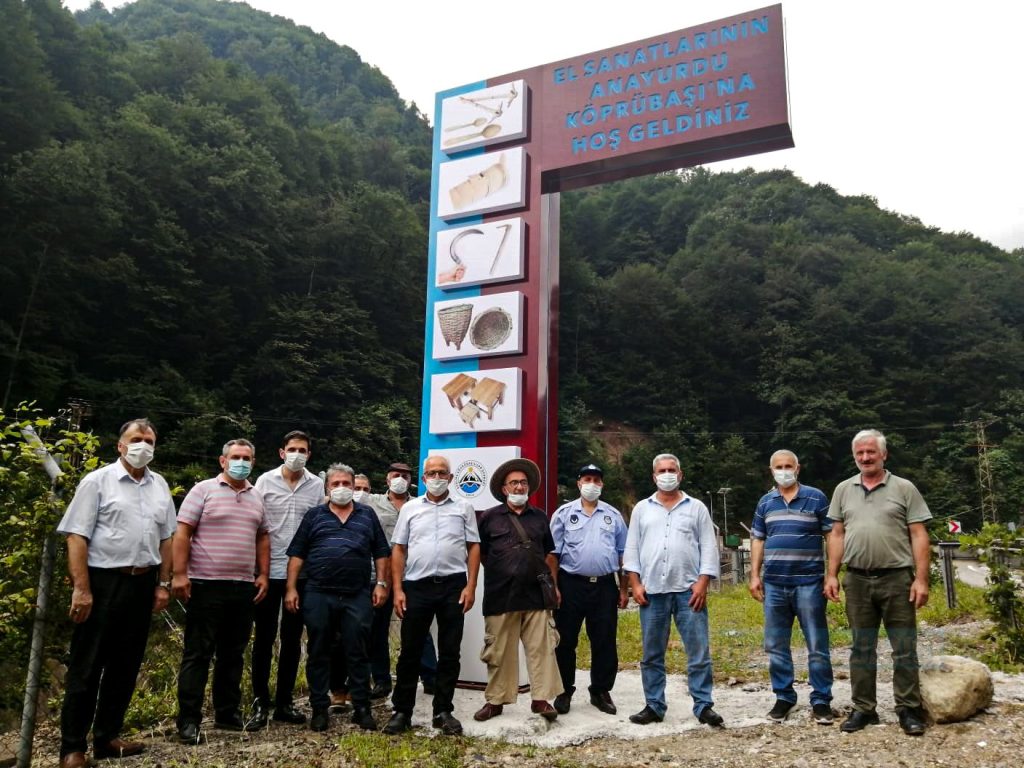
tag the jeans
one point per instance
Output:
(875, 600)
(655, 623)
(268, 614)
(325, 614)
(806, 604)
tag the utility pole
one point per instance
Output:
(725, 510)
(988, 497)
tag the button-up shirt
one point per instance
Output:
(124, 519)
(435, 534)
(671, 548)
(335, 553)
(285, 506)
(225, 521)
(386, 511)
(792, 532)
(588, 545)
(510, 570)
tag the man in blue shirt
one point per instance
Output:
(786, 536)
(672, 556)
(589, 536)
(334, 541)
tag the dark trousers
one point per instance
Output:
(339, 667)
(266, 616)
(595, 603)
(875, 600)
(425, 600)
(327, 615)
(380, 643)
(218, 622)
(106, 653)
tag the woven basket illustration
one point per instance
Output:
(490, 328)
(454, 323)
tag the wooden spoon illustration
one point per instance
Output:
(489, 132)
(475, 124)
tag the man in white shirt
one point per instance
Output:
(288, 492)
(671, 556)
(119, 526)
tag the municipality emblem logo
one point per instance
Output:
(471, 478)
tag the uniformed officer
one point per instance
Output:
(589, 536)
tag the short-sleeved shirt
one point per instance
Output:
(792, 534)
(386, 511)
(336, 553)
(588, 545)
(124, 519)
(510, 570)
(671, 548)
(225, 522)
(876, 522)
(285, 506)
(435, 534)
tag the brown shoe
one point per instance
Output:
(542, 708)
(116, 748)
(487, 711)
(74, 760)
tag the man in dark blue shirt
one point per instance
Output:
(333, 542)
(786, 535)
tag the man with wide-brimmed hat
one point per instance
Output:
(515, 542)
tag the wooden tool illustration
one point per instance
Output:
(489, 132)
(479, 185)
(497, 253)
(475, 124)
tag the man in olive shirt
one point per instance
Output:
(879, 532)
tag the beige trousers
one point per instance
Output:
(502, 633)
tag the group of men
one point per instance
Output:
(296, 552)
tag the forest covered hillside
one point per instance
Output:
(216, 218)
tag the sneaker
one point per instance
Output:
(822, 714)
(780, 711)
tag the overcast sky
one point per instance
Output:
(917, 104)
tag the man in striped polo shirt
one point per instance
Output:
(221, 540)
(786, 537)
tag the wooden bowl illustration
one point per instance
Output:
(491, 328)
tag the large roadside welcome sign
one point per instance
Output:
(503, 149)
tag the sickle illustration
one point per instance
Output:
(455, 241)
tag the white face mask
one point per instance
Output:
(667, 481)
(590, 491)
(341, 495)
(360, 496)
(138, 454)
(436, 486)
(784, 478)
(398, 485)
(295, 461)
(518, 499)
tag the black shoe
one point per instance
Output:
(910, 721)
(259, 717)
(646, 716)
(603, 701)
(562, 703)
(448, 724)
(320, 720)
(380, 691)
(822, 714)
(289, 714)
(399, 723)
(363, 717)
(858, 721)
(428, 688)
(229, 722)
(708, 716)
(780, 711)
(189, 733)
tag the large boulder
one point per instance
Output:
(954, 687)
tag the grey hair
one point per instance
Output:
(360, 475)
(865, 434)
(237, 441)
(783, 452)
(144, 425)
(662, 457)
(339, 468)
(447, 464)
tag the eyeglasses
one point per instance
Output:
(518, 483)
(436, 473)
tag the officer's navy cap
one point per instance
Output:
(589, 469)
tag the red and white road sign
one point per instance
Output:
(954, 526)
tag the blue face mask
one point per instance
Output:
(239, 468)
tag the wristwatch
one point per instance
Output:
(166, 585)
(382, 584)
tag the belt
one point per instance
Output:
(874, 573)
(129, 570)
(441, 579)
(581, 577)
